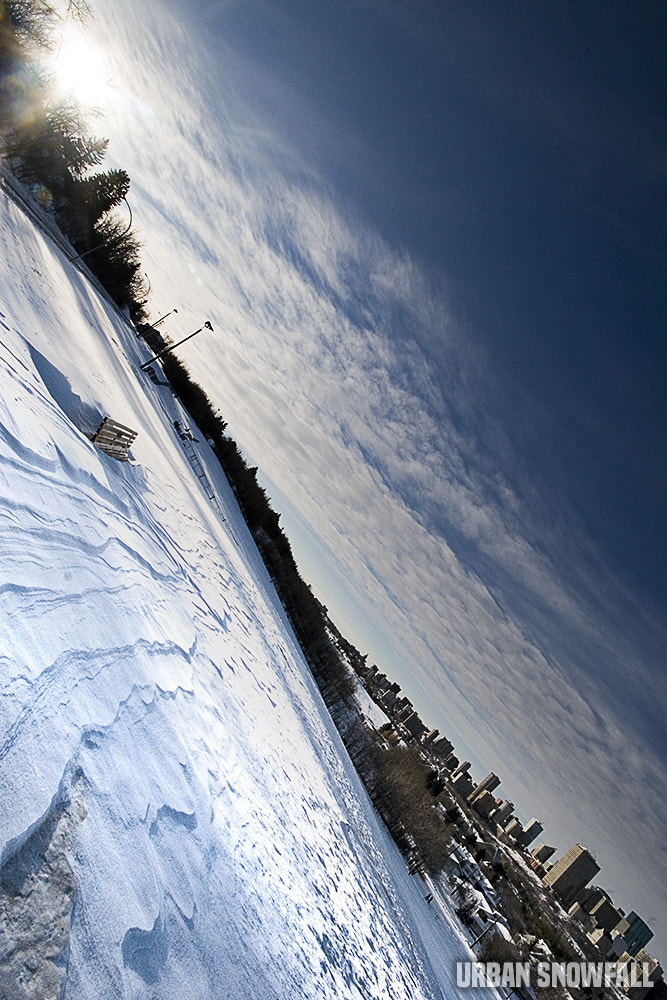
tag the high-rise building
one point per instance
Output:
(486, 785)
(532, 829)
(405, 713)
(597, 904)
(503, 812)
(484, 804)
(464, 766)
(514, 829)
(543, 852)
(414, 725)
(638, 934)
(431, 736)
(645, 974)
(606, 915)
(462, 783)
(443, 746)
(569, 876)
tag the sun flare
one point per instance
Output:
(81, 71)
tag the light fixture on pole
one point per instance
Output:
(147, 364)
(494, 919)
(158, 321)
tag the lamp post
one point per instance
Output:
(146, 364)
(158, 321)
(110, 242)
(495, 917)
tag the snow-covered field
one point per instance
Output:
(179, 819)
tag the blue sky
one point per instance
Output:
(430, 240)
(516, 148)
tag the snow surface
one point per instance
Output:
(179, 818)
(368, 708)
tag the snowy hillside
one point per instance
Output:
(178, 816)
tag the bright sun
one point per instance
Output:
(80, 70)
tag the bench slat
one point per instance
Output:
(114, 439)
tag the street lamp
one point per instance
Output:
(158, 321)
(110, 242)
(146, 364)
(495, 917)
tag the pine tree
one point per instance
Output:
(90, 199)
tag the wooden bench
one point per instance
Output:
(114, 439)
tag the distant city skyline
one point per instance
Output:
(568, 877)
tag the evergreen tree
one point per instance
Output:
(116, 261)
(90, 199)
(105, 190)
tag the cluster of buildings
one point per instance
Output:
(621, 938)
(439, 751)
